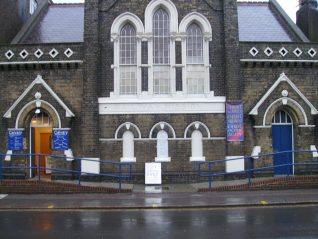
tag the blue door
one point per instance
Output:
(283, 141)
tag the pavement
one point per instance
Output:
(156, 198)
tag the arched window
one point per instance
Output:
(128, 60)
(281, 117)
(128, 147)
(197, 146)
(195, 64)
(41, 119)
(162, 146)
(161, 52)
(194, 44)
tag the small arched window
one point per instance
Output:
(41, 119)
(161, 52)
(197, 146)
(281, 117)
(33, 6)
(128, 147)
(128, 60)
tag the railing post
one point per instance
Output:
(249, 172)
(120, 177)
(210, 177)
(199, 169)
(39, 167)
(79, 162)
(130, 170)
(1, 175)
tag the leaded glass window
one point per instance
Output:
(194, 44)
(161, 52)
(128, 60)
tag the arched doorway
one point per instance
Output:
(41, 141)
(282, 139)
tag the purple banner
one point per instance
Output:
(235, 122)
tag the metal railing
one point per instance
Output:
(124, 169)
(207, 169)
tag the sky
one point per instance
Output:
(290, 6)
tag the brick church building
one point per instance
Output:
(139, 81)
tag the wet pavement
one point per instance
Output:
(240, 223)
(161, 199)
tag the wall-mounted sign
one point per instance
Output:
(15, 139)
(60, 139)
(235, 122)
(153, 173)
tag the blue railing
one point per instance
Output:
(124, 170)
(210, 173)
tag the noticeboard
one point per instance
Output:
(235, 122)
(153, 173)
(60, 139)
(15, 139)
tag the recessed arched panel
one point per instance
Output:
(162, 126)
(127, 127)
(197, 126)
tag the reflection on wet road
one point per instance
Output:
(240, 223)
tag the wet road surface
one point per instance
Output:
(241, 223)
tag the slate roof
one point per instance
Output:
(257, 22)
(61, 23)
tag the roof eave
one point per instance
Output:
(289, 22)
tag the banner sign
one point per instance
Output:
(235, 122)
(60, 139)
(15, 139)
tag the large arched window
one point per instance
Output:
(161, 52)
(195, 53)
(195, 66)
(128, 60)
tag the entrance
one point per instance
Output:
(282, 133)
(41, 141)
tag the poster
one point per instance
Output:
(235, 122)
(60, 139)
(15, 139)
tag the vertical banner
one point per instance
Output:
(60, 139)
(235, 122)
(15, 139)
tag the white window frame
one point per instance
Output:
(33, 6)
(117, 25)
(206, 29)
(171, 9)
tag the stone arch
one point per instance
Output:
(292, 107)
(162, 126)
(168, 5)
(24, 116)
(202, 21)
(127, 127)
(123, 19)
(197, 126)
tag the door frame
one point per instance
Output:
(292, 138)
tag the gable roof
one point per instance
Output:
(39, 80)
(61, 23)
(257, 22)
(283, 78)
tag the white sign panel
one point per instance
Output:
(152, 173)
(90, 166)
(235, 165)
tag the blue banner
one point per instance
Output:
(235, 122)
(60, 139)
(15, 139)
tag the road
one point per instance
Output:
(240, 223)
